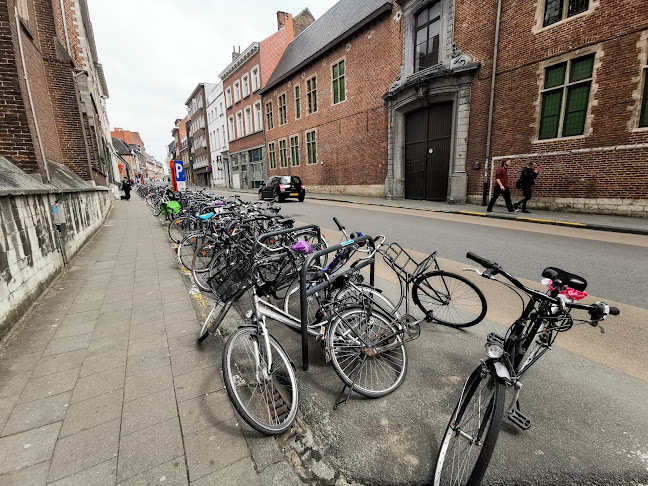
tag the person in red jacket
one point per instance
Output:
(500, 186)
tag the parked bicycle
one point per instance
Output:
(471, 435)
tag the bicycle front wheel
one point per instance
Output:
(470, 437)
(214, 319)
(267, 399)
(453, 300)
(367, 352)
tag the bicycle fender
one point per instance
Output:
(501, 371)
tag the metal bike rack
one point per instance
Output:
(304, 292)
(265, 236)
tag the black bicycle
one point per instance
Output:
(471, 435)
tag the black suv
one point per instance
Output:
(278, 188)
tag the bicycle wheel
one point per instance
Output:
(292, 304)
(453, 300)
(470, 437)
(361, 294)
(214, 319)
(206, 259)
(267, 401)
(188, 247)
(367, 352)
(179, 226)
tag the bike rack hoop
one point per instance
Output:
(304, 292)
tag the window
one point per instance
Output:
(248, 120)
(271, 155)
(218, 139)
(428, 28)
(297, 103)
(282, 109)
(565, 98)
(228, 96)
(230, 123)
(283, 153)
(311, 147)
(557, 10)
(246, 85)
(222, 111)
(237, 91)
(339, 89)
(256, 82)
(239, 123)
(255, 155)
(643, 115)
(258, 116)
(294, 151)
(311, 94)
(269, 120)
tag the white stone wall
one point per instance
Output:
(30, 253)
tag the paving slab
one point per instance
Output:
(240, 473)
(13, 383)
(83, 450)
(149, 360)
(148, 383)
(49, 385)
(103, 474)
(27, 448)
(66, 344)
(196, 383)
(103, 362)
(26, 416)
(59, 362)
(99, 383)
(35, 475)
(172, 473)
(136, 454)
(149, 410)
(92, 412)
(106, 344)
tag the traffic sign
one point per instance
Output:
(180, 175)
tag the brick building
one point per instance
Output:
(57, 111)
(569, 93)
(182, 146)
(324, 116)
(196, 104)
(242, 82)
(217, 128)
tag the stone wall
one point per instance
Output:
(32, 250)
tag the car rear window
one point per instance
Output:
(289, 179)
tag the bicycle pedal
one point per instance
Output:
(519, 419)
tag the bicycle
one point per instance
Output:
(471, 435)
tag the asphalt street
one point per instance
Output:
(586, 398)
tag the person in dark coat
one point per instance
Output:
(126, 186)
(527, 180)
(501, 187)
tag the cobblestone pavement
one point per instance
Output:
(102, 382)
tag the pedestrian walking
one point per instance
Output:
(500, 187)
(527, 180)
(126, 187)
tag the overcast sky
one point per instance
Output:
(155, 52)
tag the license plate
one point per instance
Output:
(294, 194)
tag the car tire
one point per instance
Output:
(260, 196)
(277, 197)
(301, 198)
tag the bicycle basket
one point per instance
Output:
(230, 282)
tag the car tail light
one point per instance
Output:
(302, 186)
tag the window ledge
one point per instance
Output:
(640, 130)
(560, 139)
(540, 30)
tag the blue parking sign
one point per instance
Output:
(179, 169)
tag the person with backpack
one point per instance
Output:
(526, 181)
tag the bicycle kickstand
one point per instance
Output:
(338, 401)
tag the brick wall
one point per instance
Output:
(352, 135)
(30, 255)
(609, 162)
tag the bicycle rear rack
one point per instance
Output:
(402, 262)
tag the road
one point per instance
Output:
(587, 397)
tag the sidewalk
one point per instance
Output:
(102, 381)
(600, 222)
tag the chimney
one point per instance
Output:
(285, 21)
(235, 54)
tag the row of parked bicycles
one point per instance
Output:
(253, 259)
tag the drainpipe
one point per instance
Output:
(65, 31)
(488, 186)
(29, 95)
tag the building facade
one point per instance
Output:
(53, 90)
(242, 81)
(325, 118)
(218, 142)
(201, 165)
(569, 93)
(182, 146)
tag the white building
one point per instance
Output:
(218, 140)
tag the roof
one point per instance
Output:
(339, 22)
(241, 59)
(120, 146)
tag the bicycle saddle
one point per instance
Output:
(206, 216)
(569, 279)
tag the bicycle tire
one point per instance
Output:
(214, 319)
(204, 260)
(279, 396)
(188, 247)
(437, 292)
(352, 342)
(488, 425)
(179, 226)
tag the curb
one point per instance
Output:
(596, 227)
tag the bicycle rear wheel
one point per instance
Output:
(453, 300)
(469, 440)
(266, 401)
(207, 259)
(214, 319)
(178, 227)
(367, 352)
